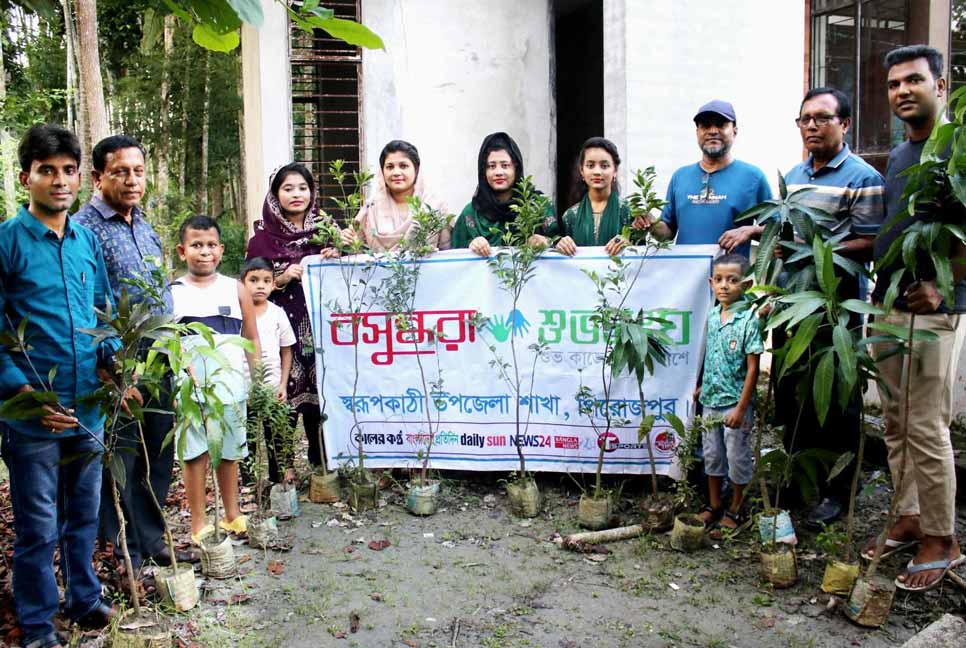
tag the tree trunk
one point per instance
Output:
(164, 151)
(203, 176)
(6, 157)
(218, 199)
(90, 70)
(70, 37)
(81, 123)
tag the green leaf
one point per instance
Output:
(799, 343)
(842, 340)
(909, 250)
(250, 11)
(677, 424)
(27, 405)
(782, 187)
(892, 292)
(859, 306)
(822, 386)
(349, 31)
(840, 464)
(824, 267)
(795, 313)
(944, 277)
(647, 424)
(118, 474)
(209, 39)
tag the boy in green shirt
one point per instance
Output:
(733, 347)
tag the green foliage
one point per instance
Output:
(685, 493)
(642, 202)
(832, 540)
(633, 342)
(265, 408)
(215, 23)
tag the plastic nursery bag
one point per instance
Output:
(785, 532)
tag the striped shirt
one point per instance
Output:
(848, 188)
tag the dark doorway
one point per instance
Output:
(579, 84)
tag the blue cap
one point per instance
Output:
(718, 107)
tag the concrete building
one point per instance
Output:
(554, 72)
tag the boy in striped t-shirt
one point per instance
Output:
(224, 305)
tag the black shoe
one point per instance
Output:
(163, 557)
(827, 511)
(98, 618)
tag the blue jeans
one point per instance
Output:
(53, 503)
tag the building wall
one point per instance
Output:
(679, 54)
(453, 72)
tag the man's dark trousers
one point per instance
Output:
(145, 523)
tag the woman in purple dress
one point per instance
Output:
(290, 215)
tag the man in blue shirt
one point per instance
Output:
(852, 191)
(52, 274)
(131, 250)
(703, 199)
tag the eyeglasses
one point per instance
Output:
(820, 120)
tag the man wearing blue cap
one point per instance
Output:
(703, 199)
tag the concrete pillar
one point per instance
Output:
(267, 99)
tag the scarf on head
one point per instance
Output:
(384, 222)
(485, 201)
(277, 239)
(611, 221)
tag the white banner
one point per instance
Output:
(384, 404)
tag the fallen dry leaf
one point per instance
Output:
(354, 622)
(376, 596)
(379, 545)
(276, 567)
(412, 643)
(244, 558)
(339, 635)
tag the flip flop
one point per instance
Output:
(944, 565)
(892, 547)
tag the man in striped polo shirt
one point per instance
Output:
(849, 189)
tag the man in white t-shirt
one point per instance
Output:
(276, 337)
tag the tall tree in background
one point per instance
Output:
(92, 83)
(6, 155)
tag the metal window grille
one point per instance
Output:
(327, 100)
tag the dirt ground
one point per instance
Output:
(472, 575)
(475, 576)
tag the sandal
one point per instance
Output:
(944, 565)
(892, 547)
(720, 532)
(716, 514)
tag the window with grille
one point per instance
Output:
(327, 100)
(849, 41)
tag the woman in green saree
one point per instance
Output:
(485, 219)
(600, 214)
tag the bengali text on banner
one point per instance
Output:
(384, 404)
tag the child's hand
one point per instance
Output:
(289, 477)
(282, 394)
(734, 418)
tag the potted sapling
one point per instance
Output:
(262, 525)
(133, 325)
(688, 533)
(283, 497)
(397, 294)
(324, 485)
(356, 276)
(647, 345)
(514, 265)
(632, 343)
(197, 362)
